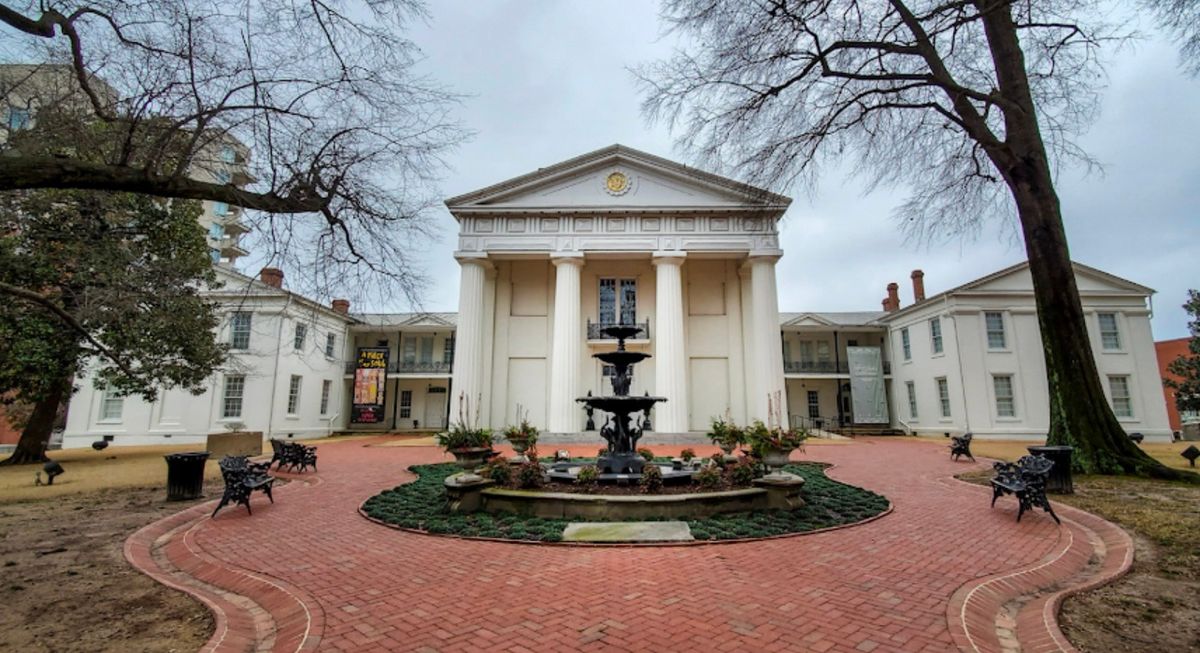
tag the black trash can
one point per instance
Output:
(1059, 481)
(185, 475)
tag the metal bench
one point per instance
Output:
(293, 454)
(1026, 479)
(960, 445)
(242, 478)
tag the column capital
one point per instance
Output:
(474, 258)
(568, 258)
(764, 256)
(668, 257)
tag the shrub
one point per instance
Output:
(741, 473)
(498, 470)
(652, 479)
(717, 460)
(588, 477)
(646, 454)
(708, 478)
(460, 437)
(687, 455)
(523, 432)
(529, 476)
(761, 437)
(725, 434)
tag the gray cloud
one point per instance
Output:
(548, 81)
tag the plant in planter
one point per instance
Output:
(708, 478)
(774, 444)
(498, 470)
(522, 437)
(742, 473)
(469, 444)
(588, 477)
(529, 476)
(688, 455)
(646, 454)
(725, 434)
(652, 479)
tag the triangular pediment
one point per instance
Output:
(1018, 279)
(807, 320)
(618, 178)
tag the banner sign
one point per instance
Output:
(370, 384)
(866, 385)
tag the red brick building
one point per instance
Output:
(1168, 351)
(8, 435)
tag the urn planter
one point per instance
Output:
(471, 457)
(775, 459)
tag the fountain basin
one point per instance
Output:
(564, 505)
(621, 405)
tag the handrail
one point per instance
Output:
(594, 330)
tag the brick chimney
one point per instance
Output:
(918, 281)
(272, 277)
(341, 306)
(892, 302)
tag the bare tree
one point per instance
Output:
(343, 136)
(969, 103)
(1181, 20)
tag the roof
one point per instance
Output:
(396, 320)
(751, 195)
(237, 285)
(836, 318)
(971, 285)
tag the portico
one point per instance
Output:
(617, 236)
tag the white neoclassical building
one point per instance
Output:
(618, 236)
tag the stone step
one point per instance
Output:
(631, 531)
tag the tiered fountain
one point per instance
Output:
(620, 460)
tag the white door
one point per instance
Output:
(435, 409)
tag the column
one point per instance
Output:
(564, 415)
(768, 345)
(670, 359)
(467, 380)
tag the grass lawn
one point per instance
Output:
(1157, 606)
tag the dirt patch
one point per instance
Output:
(65, 584)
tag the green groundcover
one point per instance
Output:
(421, 505)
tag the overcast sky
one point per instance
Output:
(547, 81)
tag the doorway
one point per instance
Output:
(435, 408)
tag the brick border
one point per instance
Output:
(1093, 550)
(252, 611)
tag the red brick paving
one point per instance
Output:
(308, 572)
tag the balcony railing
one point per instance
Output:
(593, 330)
(824, 367)
(410, 367)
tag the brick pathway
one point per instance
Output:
(942, 572)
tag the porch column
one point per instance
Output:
(768, 345)
(564, 414)
(467, 379)
(670, 359)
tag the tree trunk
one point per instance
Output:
(1080, 415)
(31, 448)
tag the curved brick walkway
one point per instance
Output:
(941, 572)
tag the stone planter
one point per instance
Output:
(520, 446)
(470, 458)
(234, 443)
(775, 459)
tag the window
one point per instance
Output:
(912, 399)
(905, 344)
(18, 118)
(935, 334)
(806, 351)
(995, 330)
(330, 345)
(427, 349)
(1110, 337)
(823, 352)
(239, 333)
(215, 255)
(216, 231)
(111, 407)
(301, 333)
(618, 301)
(787, 351)
(231, 402)
(223, 176)
(1122, 402)
(228, 155)
(409, 350)
(220, 208)
(326, 387)
(1006, 405)
(448, 350)
(405, 404)
(943, 390)
(814, 404)
(294, 394)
